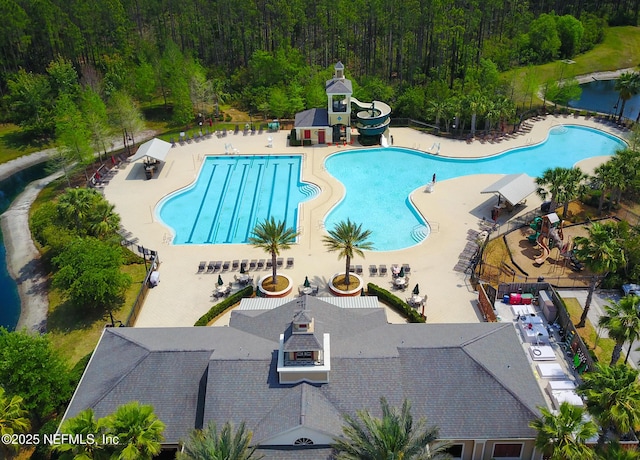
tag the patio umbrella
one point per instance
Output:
(416, 290)
(401, 274)
(220, 282)
(306, 282)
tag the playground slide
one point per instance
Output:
(545, 251)
(372, 118)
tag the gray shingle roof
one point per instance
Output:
(472, 380)
(302, 342)
(312, 117)
(338, 86)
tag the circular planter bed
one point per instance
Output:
(338, 288)
(283, 289)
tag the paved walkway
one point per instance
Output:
(453, 209)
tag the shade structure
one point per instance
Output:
(401, 274)
(306, 282)
(416, 290)
(155, 148)
(220, 282)
(513, 187)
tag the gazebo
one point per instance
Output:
(511, 190)
(155, 151)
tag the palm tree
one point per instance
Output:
(273, 237)
(562, 435)
(622, 322)
(76, 204)
(625, 163)
(605, 177)
(86, 425)
(104, 220)
(602, 253)
(551, 182)
(572, 187)
(477, 103)
(614, 451)
(394, 436)
(627, 86)
(348, 239)
(14, 419)
(613, 398)
(224, 445)
(138, 429)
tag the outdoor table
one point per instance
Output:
(243, 279)
(220, 290)
(416, 300)
(400, 281)
(307, 290)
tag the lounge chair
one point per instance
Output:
(224, 132)
(289, 262)
(201, 266)
(279, 262)
(253, 264)
(358, 269)
(210, 267)
(383, 270)
(217, 265)
(236, 130)
(373, 270)
(225, 265)
(269, 263)
(235, 264)
(244, 264)
(188, 139)
(352, 268)
(173, 142)
(260, 264)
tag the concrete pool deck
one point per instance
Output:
(452, 209)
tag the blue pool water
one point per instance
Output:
(601, 96)
(378, 181)
(232, 194)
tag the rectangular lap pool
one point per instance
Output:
(232, 194)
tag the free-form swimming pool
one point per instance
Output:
(232, 194)
(378, 181)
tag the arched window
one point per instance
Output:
(303, 442)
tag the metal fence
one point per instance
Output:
(154, 262)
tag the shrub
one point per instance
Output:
(227, 118)
(219, 308)
(396, 303)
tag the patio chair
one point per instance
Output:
(315, 290)
(373, 270)
(253, 264)
(244, 264)
(217, 265)
(269, 263)
(352, 268)
(279, 262)
(383, 270)
(235, 264)
(225, 265)
(290, 262)
(201, 266)
(407, 268)
(260, 264)
(358, 269)
(210, 267)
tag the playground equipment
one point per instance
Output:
(372, 119)
(549, 228)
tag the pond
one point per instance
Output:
(600, 96)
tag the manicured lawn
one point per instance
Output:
(589, 334)
(620, 50)
(14, 144)
(76, 332)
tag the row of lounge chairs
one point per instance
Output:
(244, 265)
(382, 269)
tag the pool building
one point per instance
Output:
(291, 373)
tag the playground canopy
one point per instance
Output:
(155, 148)
(514, 188)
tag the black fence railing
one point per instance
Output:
(153, 263)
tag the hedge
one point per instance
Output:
(396, 303)
(219, 308)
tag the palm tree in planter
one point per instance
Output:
(394, 436)
(223, 444)
(602, 253)
(273, 237)
(562, 435)
(348, 239)
(622, 322)
(612, 396)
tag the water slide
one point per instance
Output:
(372, 117)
